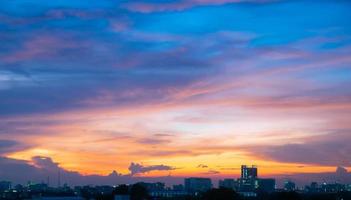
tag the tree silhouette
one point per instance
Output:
(221, 194)
(139, 192)
(285, 196)
(121, 190)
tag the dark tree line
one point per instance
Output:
(136, 192)
(139, 192)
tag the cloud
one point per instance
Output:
(70, 65)
(20, 171)
(45, 163)
(136, 168)
(40, 169)
(164, 153)
(202, 166)
(163, 135)
(5, 145)
(179, 5)
(303, 179)
(330, 149)
(212, 172)
(8, 146)
(153, 141)
(42, 68)
(341, 171)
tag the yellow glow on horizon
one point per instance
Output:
(221, 137)
(227, 164)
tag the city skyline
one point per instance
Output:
(162, 90)
(249, 184)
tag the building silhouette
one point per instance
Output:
(266, 185)
(229, 184)
(197, 184)
(289, 186)
(248, 172)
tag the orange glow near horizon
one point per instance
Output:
(183, 136)
(227, 164)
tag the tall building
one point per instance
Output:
(197, 184)
(248, 172)
(248, 181)
(248, 185)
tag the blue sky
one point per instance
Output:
(143, 80)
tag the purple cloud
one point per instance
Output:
(212, 172)
(136, 168)
(153, 141)
(8, 146)
(179, 5)
(202, 166)
(5, 145)
(41, 169)
(331, 150)
(341, 175)
(45, 163)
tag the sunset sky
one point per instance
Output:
(176, 88)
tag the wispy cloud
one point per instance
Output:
(147, 7)
(331, 149)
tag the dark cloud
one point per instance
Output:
(163, 135)
(331, 150)
(78, 62)
(7, 146)
(341, 171)
(45, 163)
(211, 172)
(153, 141)
(202, 166)
(80, 66)
(229, 168)
(340, 175)
(30, 126)
(136, 168)
(40, 169)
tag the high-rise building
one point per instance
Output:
(248, 172)
(248, 185)
(197, 184)
(248, 181)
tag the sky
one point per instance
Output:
(108, 90)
